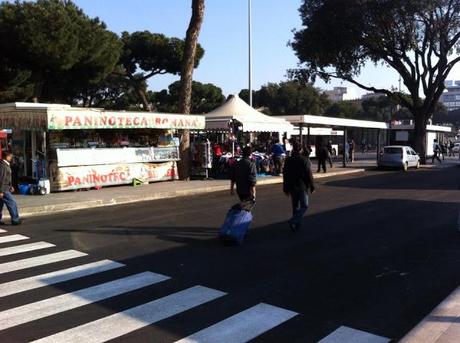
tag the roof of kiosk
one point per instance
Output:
(251, 119)
(24, 115)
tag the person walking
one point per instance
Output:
(436, 151)
(244, 176)
(278, 156)
(352, 150)
(322, 155)
(6, 190)
(451, 149)
(346, 152)
(330, 152)
(297, 181)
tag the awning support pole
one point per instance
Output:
(301, 134)
(378, 145)
(344, 157)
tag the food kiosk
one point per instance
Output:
(78, 148)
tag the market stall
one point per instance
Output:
(84, 148)
(235, 124)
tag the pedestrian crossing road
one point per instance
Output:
(242, 326)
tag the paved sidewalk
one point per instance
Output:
(31, 205)
(442, 325)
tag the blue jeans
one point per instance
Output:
(10, 203)
(299, 206)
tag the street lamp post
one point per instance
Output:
(250, 52)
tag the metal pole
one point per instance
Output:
(344, 158)
(250, 52)
(378, 145)
(301, 134)
(308, 136)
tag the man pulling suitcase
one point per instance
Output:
(239, 217)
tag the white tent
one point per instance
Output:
(250, 119)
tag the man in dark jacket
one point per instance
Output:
(6, 189)
(322, 155)
(297, 181)
(244, 175)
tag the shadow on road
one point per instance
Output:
(378, 266)
(417, 180)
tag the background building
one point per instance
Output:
(336, 94)
(451, 98)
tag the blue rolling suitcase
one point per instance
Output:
(237, 223)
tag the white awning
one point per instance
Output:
(250, 119)
(331, 121)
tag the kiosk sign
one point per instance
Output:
(69, 120)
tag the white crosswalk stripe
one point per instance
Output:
(40, 260)
(67, 274)
(12, 238)
(345, 334)
(25, 248)
(26, 313)
(2, 231)
(137, 317)
(242, 327)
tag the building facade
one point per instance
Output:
(336, 94)
(451, 98)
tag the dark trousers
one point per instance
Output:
(278, 161)
(321, 164)
(299, 201)
(435, 156)
(10, 203)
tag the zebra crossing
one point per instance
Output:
(240, 327)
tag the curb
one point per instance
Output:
(66, 207)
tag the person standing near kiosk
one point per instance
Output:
(6, 189)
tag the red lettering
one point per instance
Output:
(112, 121)
(128, 122)
(70, 180)
(68, 120)
(180, 123)
(103, 178)
(89, 121)
(77, 122)
(158, 120)
(164, 121)
(187, 122)
(136, 121)
(144, 122)
(77, 181)
(120, 121)
(122, 176)
(104, 120)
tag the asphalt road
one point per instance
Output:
(377, 252)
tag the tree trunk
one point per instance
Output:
(188, 64)
(38, 90)
(140, 92)
(421, 120)
(143, 99)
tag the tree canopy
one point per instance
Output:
(289, 97)
(146, 54)
(205, 98)
(419, 39)
(56, 44)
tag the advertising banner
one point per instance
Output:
(68, 178)
(89, 157)
(75, 120)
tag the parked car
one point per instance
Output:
(399, 156)
(456, 148)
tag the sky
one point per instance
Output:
(224, 36)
